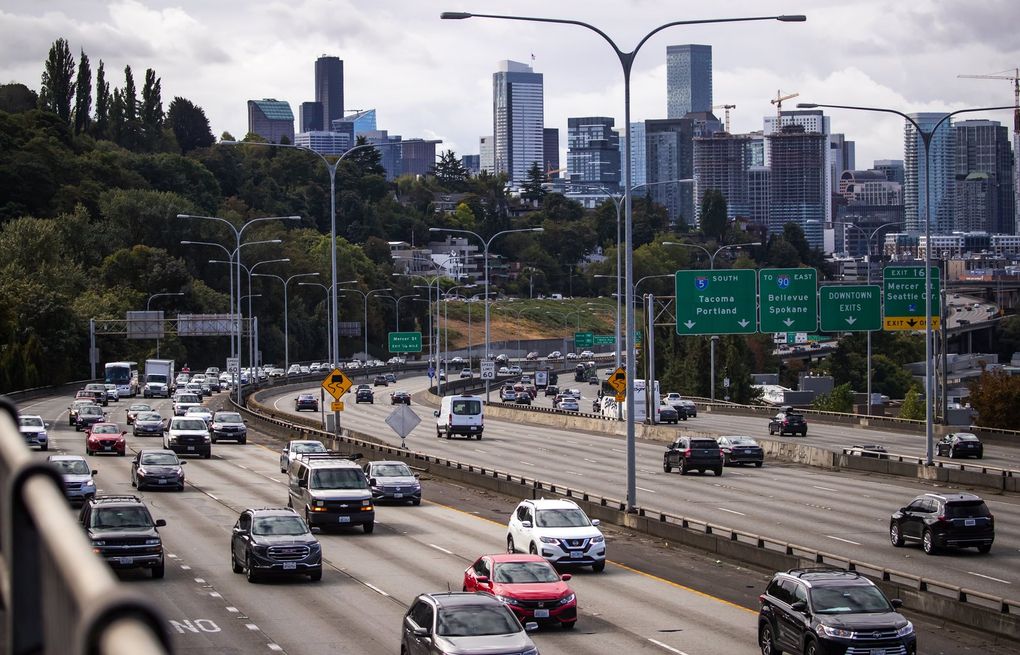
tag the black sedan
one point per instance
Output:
(741, 450)
(668, 414)
(306, 401)
(960, 444)
(380, 381)
(157, 468)
(398, 397)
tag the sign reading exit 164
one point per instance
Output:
(789, 299)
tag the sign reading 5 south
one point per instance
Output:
(715, 302)
(789, 299)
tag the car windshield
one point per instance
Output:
(197, 410)
(743, 441)
(151, 416)
(31, 422)
(561, 518)
(966, 437)
(343, 478)
(188, 398)
(848, 600)
(120, 518)
(308, 447)
(159, 459)
(139, 408)
(105, 429)
(89, 409)
(967, 510)
(476, 621)
(228, 417)
(306, 396)
(525, 572)
(189, 424)
(278, 525)
(71, 466)
(467, 407)
(391, 471)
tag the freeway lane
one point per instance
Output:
(837, 512)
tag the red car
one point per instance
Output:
(105, 438)
(527, 584)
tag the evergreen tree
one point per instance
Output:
(449, 172)
(713, 215)
(152, 109)
(130, 96)
(83, 96)
(57, 91)
(189, 125)
(101, 126)
(17, 98)
(533, 191)
(115, 129)
(913, 405)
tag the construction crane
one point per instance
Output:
(727, 108)
(1015, 78)
(778, 102)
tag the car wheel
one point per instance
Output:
(250, 573)
(928, 543)
(683, 466)
(766, 640)
(532, 549)
(439, 433)
(369, 527)
(134, 482)
(212, 439)
(416, 501)
(88, 452)
(315, 575)
(952, 453)
(46, 446)
(771, 431)
(984, 548)
(599, 567)
(207, 455)
(895, 538)
(234, 566)
(510, 545)
(811, 648)
(758, 464)
(243, 440)
(569, 626)
(666, 468)
(159, 570)
(718, 471)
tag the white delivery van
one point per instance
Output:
(460, 415)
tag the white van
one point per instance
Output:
(460, 415)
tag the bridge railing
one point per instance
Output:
(57, 597)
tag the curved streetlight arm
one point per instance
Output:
(160, 295)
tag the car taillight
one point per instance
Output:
(449, 419)
(941, 518)
(687, 453)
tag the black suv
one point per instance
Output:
(364, 395)
(823, 611)
(121, 530)
(693, 453)
(940, 520)
(267, 541)
(788, 422)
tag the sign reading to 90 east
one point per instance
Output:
(716, 302)
(789, 299)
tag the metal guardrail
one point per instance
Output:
(58, 598)
(922, 585)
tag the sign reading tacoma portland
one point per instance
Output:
(716, 302)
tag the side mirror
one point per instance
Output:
(596, 522)
(417, 476)
(95, 472)
(436, 413)
(897, 603)
(421, 632)
(160, 523)
(904, 509)
(237, 530)
(123, 433)
(530, 626)
(526, 524)
(799, 606)
(302, 484)
(315, 529)
(482, 579)
(565, 577)
(182, 462)
(371, 481)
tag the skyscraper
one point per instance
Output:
(799, 181)
(551, 152)
(638, 155)
(486, 155)
(329, 87)
(984, 178)
(940, 176)
(593, 153)
(311, 117)
(722, 162)
(518, 118)
(669, 151)
(688, 79)
(271, 119)
(813, 121)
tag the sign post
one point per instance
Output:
(716, 302)
(856, 308)
(336, 384)
(904, 298)
(789, 299)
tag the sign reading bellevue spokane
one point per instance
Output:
(716, 302)
(789, 299)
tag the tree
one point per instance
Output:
(102, 124)
(57, 90)
(17, 98)
(189, 125)
(83, 96)
(450, 172)
(152, 109)
(913, 405)
(841, 399)
(713, 215)
(996, 397)
(532, 189)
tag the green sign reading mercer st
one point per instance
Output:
(584, 339)
(789, 299)
(856, 308)
(405, 342)
(716, 302)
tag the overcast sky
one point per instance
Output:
(432, 78)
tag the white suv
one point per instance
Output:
(559, 531)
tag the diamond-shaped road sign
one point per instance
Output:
(618, 380)
(403, 420)
(336, 383)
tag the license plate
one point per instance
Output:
(289, 566)
(398, 495)
(162, 482)
(576, 554)
(969, 522)
(541, 614)
(125, 560)
(345, 519)
(191, 448)
(877, 651)
(108, 448)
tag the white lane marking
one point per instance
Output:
(440, 548)
(479, 450)
(825, 488)
(215, 594)
(232, 610)
(273, 646)
(242, 466)
(617, 450)
(185, 567)
(988, 577)
(200, 580)
(251, 626)
(846, 541)
(580, 475)
(525, 463)
(171, 556)
(211, 496)
(669, 648)
(376, 589)
(651, 491)
(593, 461)
(275, 480)
(731, 511)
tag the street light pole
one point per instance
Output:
(365, 297)
(286, 325)
(149, 302)
(926, 138)
(329, 350)
(396, 304)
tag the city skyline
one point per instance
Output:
(219, 56)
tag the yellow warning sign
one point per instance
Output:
(618, 380)
(909, 323)
(336, 383)
(336, 406)
(620, 396)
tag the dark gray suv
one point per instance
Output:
(460, 623)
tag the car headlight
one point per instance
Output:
(530, 651)
(315, 545)
(172, 438)
(508, 600)
(366, 503)
(548, 540)
(152, 542)
(597, 540)
(208, 439)
(98, 542)
(142, 472)
(908, 629)
(829, 631)
(319, 503)
(569, 598)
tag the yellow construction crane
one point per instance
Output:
(1015, 78)
(778, 102)
(727, 108)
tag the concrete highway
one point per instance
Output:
(640, 604)
(836, 512)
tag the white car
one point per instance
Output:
(576, 393)
(568, 404)
(188, 435)
(201, 412)
(571, 355)
(112, 393)
(503, 370)
(294, 369)
(183, 401)
(559, 531)
(298, 447)
(555, 355)
(515, 370)
(587, 354)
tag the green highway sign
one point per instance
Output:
(789, 299)
(856, 308)
(904, 298)
(716, 302)
(584, 339)
(604, 340)
(637, 337)
(405, 342)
